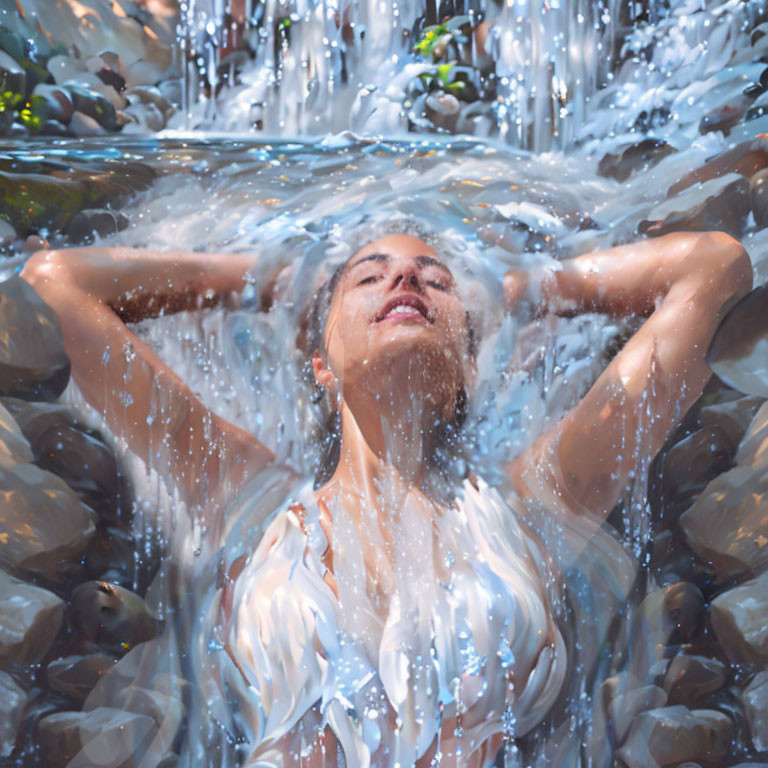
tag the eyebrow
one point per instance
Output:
(422, 261)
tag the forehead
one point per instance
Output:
(393, 247)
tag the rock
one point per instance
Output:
(690, 678)
(12, 76)
(147, 94)
(625, 707)
(58, 737)
(738, 353)
(728, 523)
(105, 736)
(643, 154)
(83, 462)
(35, 243)
(64, 68)
(33, 361)
(752, 451)
(726, 209)
(738, 618)
(7, 233)
(755, 700)
(172, 91)
(89, 223)
(758, 191)
(55, 128)
(34, 419)
(84, 126)
(144, 117)
(725, 117)
(43, 525)
(733, 416)
(76, 676)
(674, 735)
(745, 159)
(12, 702)
(111, 557)
(111, 78)
(14, 447)
(30, 618)
(694, 461)
(57, 101)
(111, 616)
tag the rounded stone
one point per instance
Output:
(33, 362)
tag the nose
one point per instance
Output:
(407, 276)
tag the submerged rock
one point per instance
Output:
(30, 618)
(672, 735)
(76, 676)
(739, 621)
(43, 525)
(33, 361)
(13, 699)
(732, 416)
(642, 155)
(626, 706)
(755, 700)
(111, 616)
(738, 353)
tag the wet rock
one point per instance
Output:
(87, 224)
(76, 676)
(753, 451)
(723, 118)
(64, 68)
(644, 154)
(34, 419)
(111, 616)
(144, 117)
(54, 128)
(676, 734)
(694, 461)
(147, 94)
(671, 616)
(758, 190)
(111, 557)
(102, 736)
(57, 101)
(83, 462)
(755, 700)
(738, 353)
(83, 125)
(13, 699)
(7, 233)
(728, 523)
(625, 707)
(33, 362)
(12, 75)
(725, 207)
(172, 91)
(14, 447)
(43, 525)
(30, 618)
(35, 243)
(733, 416)
(745, 159)
(738, 618)
(58, 737)
(690, 678)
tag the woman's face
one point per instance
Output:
(396, 312)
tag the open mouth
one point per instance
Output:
(407, 306)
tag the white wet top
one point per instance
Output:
(473, 655)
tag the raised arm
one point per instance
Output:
(685, 282)
(93, 291)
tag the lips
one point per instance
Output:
(402, 307)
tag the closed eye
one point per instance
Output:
(439, 286)
(368, 280)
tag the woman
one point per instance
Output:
(387, 616)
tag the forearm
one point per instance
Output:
(632, 279)
(140, 283)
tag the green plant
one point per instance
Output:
(436, 45)
(29, 112)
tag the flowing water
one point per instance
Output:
(570, 75)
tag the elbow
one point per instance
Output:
(48, 272)
(731, 266)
